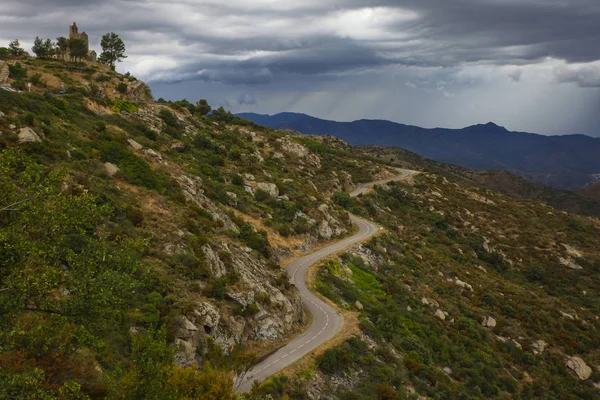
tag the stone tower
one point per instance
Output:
(74, 33)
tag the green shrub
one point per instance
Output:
(237, 180)
(132, 168)
(168, 118)
(120, 106)
(17, 72)
(122, 87)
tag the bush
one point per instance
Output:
(169, 118)
(36, 79)
(17, 72)
(343, 199)
(122, 87)
(333, 361)
(237, 180)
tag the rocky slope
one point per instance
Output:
(204, 207)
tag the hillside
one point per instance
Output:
(143, 247)
(585, 201)
(129, 227)
(468, 294)
(566, 162)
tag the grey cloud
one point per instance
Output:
(585, 76)
(516, 75)
(300, 46)
(246, 99)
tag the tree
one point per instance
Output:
(113, 49)
(43, 48)
(203, 107)
(15, 48)
(62, 45)
(77, 48)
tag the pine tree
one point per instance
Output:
(113, 49)
(15, 48)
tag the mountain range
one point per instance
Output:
(564, 161)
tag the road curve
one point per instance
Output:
(326, 322)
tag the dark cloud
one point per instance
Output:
(311, 45)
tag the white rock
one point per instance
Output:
(447, 370)
(111, 169)
(359, 305)
(187, 324)
(569, 263)
(134, 144)
(567, 316)
(440, 314)
(488, 322)
(539, 346)
(270, 188)
(27, 135)
(152, 153)
(463, 285)
(429, 302)
(579, 366)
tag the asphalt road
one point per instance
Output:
(326, 322)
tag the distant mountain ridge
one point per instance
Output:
(566, 161)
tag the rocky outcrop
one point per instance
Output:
(139, 91)
(294, 149)
(213, 262)
(28, 135)
(330, 226)
(255, 281)
(577, 365)
(192, 190)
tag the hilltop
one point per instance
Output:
(564, 162)
(143, 246)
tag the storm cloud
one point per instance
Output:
(427, 62)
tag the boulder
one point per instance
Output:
(429, 302)
(440, 314)
(270, 188)
(28, 135)
(489, 322)
(134, 144)
(359, 305)
(110, 168)
(152, 153)
(539, 346)
(577, 365)
(463, 285)
(569, 263)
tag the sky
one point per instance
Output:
(529, 65)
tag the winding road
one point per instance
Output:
(327, 322)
